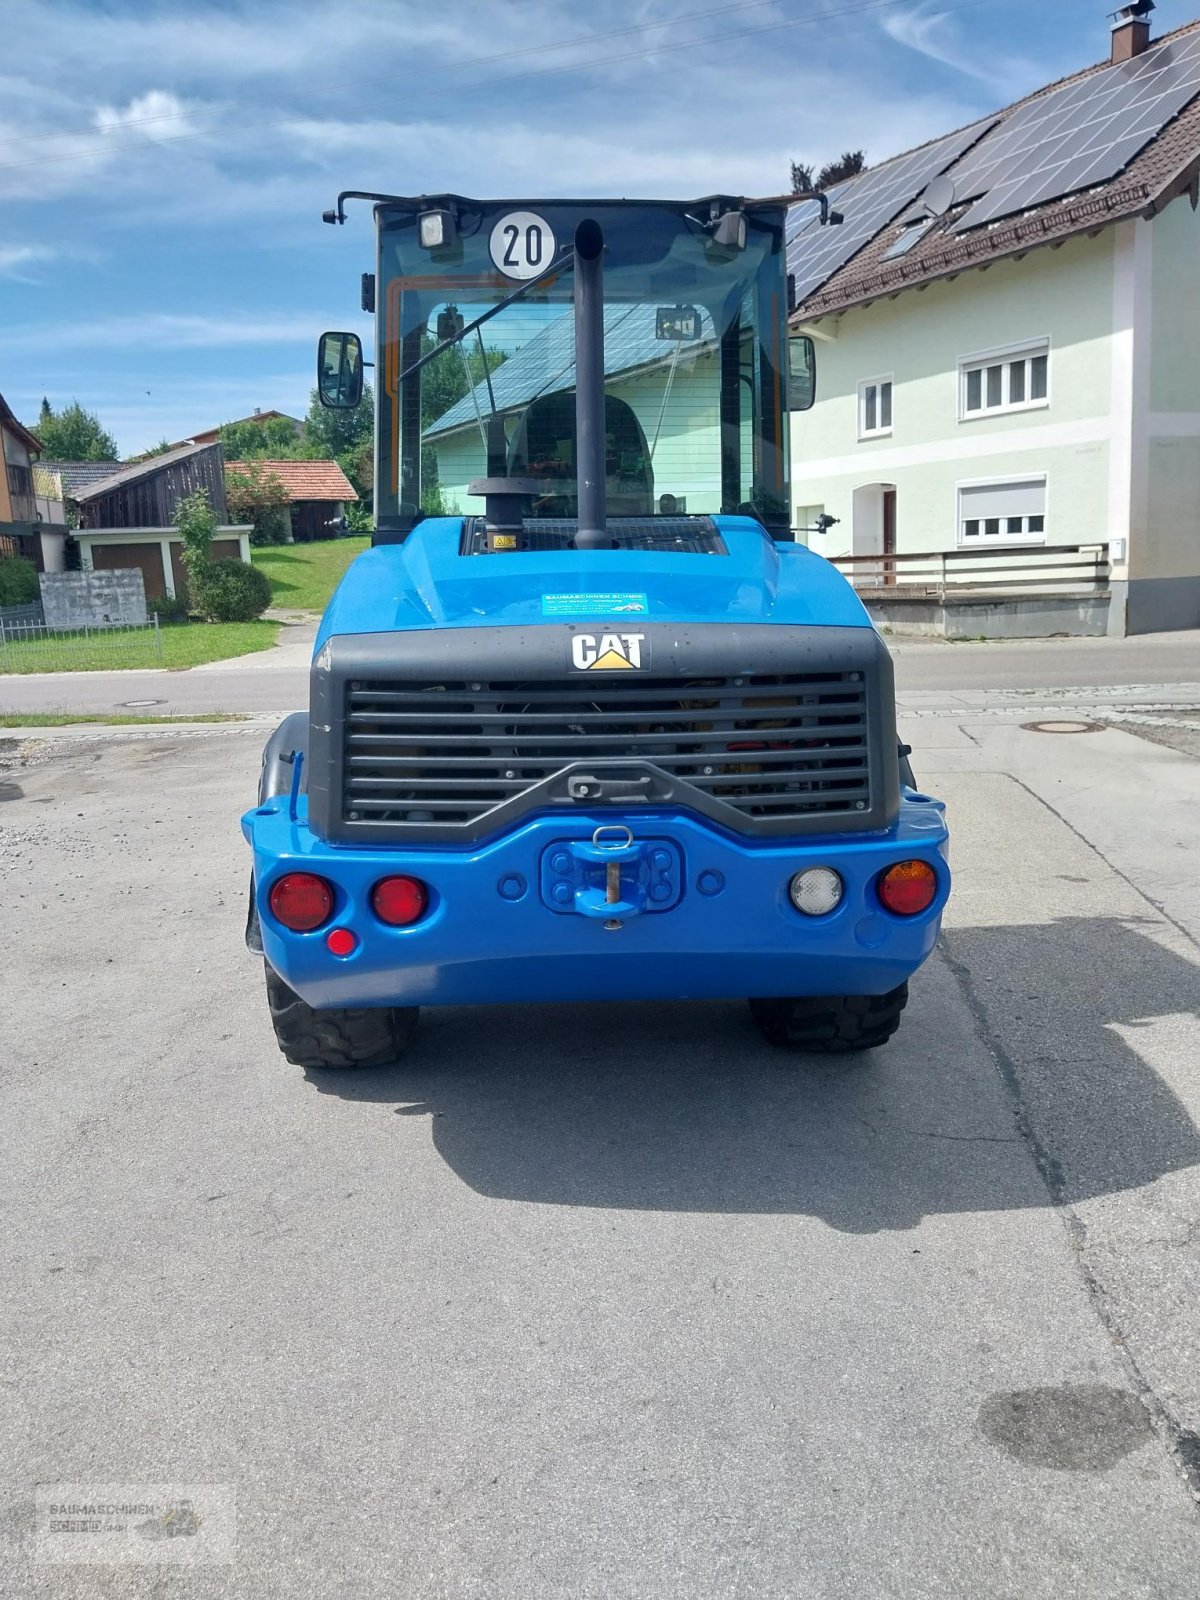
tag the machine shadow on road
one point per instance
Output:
(682, 1107)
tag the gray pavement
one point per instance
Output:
(614, 1301)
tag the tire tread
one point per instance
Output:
(368, 1036)
(831, 1024)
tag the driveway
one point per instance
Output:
(613, 1301)
(273, 682)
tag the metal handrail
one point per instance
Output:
(960, 571)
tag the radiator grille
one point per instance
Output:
(771, 747)
(698, 536)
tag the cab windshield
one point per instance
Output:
(694, 342)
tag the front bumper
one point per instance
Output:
(491, 937)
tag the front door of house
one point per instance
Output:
(889, 534)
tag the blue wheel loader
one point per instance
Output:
(586, 723)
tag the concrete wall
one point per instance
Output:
(918, 340)
(1164, 568)
(92, 599)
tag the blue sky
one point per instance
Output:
(163, 167)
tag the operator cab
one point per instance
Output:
(479, 306)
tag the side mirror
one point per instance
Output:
(340, 371)
(802, 373)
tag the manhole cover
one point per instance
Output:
(136, 705)
(1063, 727)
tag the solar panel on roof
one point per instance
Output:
(868, 203)
(1079, 135)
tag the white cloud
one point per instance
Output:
(927, 32)
(164, 330)
(15, 256)
(156, 115)
(932, 33)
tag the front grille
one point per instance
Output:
(696, 536)
(771, 749)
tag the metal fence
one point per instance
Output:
(29, 613)
(32, 647)
(1051, 569)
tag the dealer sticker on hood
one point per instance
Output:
(594, 605)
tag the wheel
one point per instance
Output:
(906, 772)
(366, 1036)
(832, 1024)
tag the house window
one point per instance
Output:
(1002, 513)
(874, 408)
(1014, 380)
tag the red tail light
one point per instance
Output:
(301, 901)
(399, 901)
(908, 888)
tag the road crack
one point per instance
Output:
(1182, 1444)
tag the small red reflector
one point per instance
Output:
(908, 887)
(301, 901)
(340, 942)
(399, 901)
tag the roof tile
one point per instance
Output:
(304, 480)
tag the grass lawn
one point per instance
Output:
(303, 576)
(185, 644)
(105, 719)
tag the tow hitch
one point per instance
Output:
(611, 877)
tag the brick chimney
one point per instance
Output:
(1131, 30)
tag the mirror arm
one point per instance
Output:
(557, 265)
(338, 215)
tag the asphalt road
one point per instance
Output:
(611, 1301)
(276, 681)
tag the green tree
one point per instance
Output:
(259, 497)
(197, 522)
(18, 581)
(444, 383)
(73, 434)
(273, 439)
(347, 437)
(848, 165)
(330, 434)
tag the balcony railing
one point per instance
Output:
(933, 574)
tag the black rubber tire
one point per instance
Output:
(831, 1024)
(366, 1036)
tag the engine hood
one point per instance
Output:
(427, 583)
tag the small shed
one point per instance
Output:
(126, 517)
(317, 493)
(144, 494)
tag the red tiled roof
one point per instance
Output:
(305, 480)
(1165, 169)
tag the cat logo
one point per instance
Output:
(608, 652)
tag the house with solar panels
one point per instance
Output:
(1006, 436)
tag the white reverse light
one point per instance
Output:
(816, 891)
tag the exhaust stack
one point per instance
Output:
(590, 448)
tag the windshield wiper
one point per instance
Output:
(561, 263)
